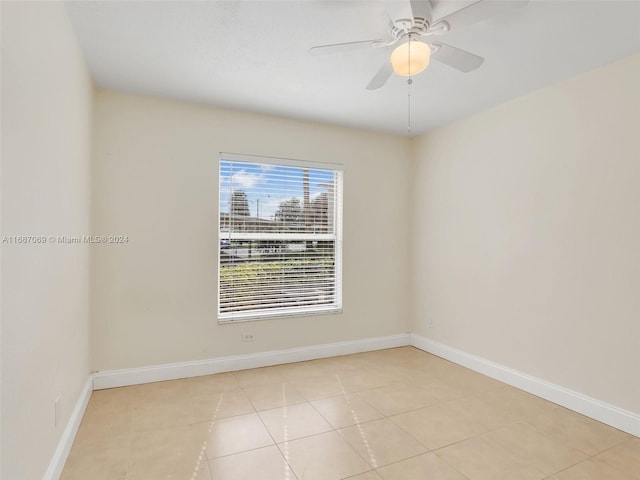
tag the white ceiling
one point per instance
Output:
(252, 55)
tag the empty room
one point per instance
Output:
(320, 240)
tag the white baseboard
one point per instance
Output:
(609, 414)
(157, 373)
(68, 436)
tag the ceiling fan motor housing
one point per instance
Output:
(405, 26)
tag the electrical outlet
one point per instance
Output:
(247, 337)
(431, 323)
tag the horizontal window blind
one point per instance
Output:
(280, 241)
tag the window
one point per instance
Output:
(280, 238)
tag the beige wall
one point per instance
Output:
(155, 179)
(46, 115)
(526, 234)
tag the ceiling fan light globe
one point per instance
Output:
(410, 58)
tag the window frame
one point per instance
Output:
(272, 313)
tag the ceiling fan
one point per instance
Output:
(412, 55)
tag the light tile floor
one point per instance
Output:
(397, 414)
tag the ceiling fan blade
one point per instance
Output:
(344, 47)
(388, 20)
(421, 8)
(478, 11)
(456, 58)
(380, 78)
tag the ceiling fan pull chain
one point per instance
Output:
(409, 82)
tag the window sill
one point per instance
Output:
(252, 317)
